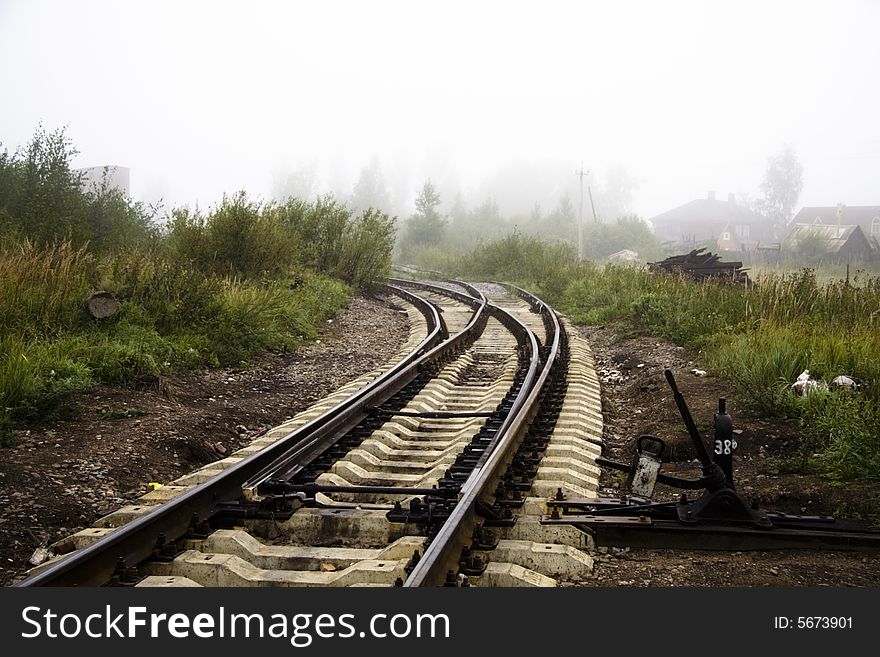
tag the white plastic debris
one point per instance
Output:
(697, 372)
(804, 384)
(844, 381)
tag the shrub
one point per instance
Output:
(761, 336)
(251, 240)
(209, 289)
(171, 318)
(238, 238)
(356, 250)
(44, 200)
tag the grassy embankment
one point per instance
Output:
(760, 337)
(205, 289)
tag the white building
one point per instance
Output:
(117, 178)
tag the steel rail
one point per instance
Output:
(133, 542)
(297, 458)
(516, 327)
(470, 288)
(474, 293)
(442, 555)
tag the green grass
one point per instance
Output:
(172, 319)
(207, 289)
(761, 336)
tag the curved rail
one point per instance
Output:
(133, 542)
(295, 459)
(442, 556)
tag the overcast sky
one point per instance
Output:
(198, 98)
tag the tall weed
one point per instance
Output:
(761, 336)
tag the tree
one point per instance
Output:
(458, 213)
(487, 212)
(112, 220)
(628, 232)
(427, 226)
(370, 191)
(300, 183)
(536, 214)
(43, 199)
(783, 182)
(427, 202)
(40, 192)
(485, 222)
(564, 212)
(614, 198)
(561, 222)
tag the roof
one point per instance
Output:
(852, 214)
(834, 236)
(712, 211)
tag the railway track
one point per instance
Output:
(436, 470)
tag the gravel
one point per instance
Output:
(61, 476)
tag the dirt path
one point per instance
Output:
(636, 399)
(62, 476)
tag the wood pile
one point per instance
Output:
(701, 264)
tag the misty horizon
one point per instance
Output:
(500, 101)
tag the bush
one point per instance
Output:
(356, 250)
(517, 257)
(251, 240)
(171, 318)
(238, 238)
(211, 289)
(43, 199)
(760, 336)
(366, 253)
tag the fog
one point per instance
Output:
(660, 101)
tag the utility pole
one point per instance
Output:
(580, 174)
(593, 207)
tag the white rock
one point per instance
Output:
(40, 555)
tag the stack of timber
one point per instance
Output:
(701, 264)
